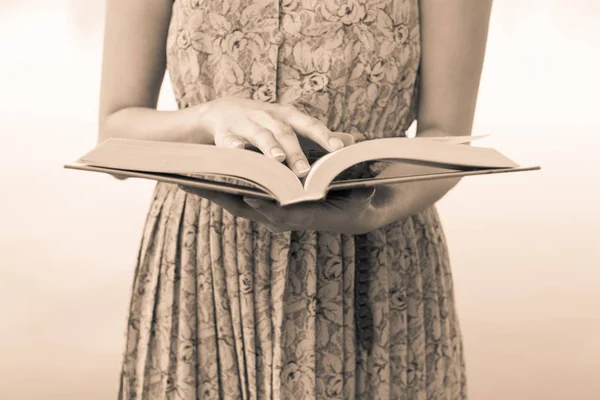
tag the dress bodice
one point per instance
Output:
(350, 63)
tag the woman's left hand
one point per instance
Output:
(355, 211)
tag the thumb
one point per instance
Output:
(363, 193)
(360, 198)
(352, 195)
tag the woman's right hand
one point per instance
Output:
(276, 130)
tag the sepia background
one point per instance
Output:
(524, 246)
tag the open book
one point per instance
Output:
(251, 173)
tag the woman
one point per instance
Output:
(350, 297)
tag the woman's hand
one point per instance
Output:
(279, 131)
(272, 128)
(355, 211)
(402, 200)
(349, 212)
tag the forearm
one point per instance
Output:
(453, 41)
(150, 124)
(132, 74)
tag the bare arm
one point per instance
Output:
(453, 38)
(134, 63)
(133, 68)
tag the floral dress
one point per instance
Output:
(222, 308)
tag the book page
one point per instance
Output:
(431, 152)
(255, 171)
(231, 180)
(229, 165)
(370, 169)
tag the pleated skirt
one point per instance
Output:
(223, 309)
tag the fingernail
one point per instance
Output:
(336, 143)
(301, 166)
(237, 143)
(277, 152)
(252, 202)
(372, 194)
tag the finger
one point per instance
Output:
(231, 141)
(235, 205)
(311, 148)
(287, 138)
(354, 200)
(360, 198)
(260, 137)
(296, 215)
(232, 203)
(346, 138)
(352, 193)
(225, 200)
(365, 193)
(311, 128)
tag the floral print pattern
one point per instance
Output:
(223, 309)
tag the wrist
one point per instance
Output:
(197, 124)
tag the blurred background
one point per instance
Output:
(523, 246)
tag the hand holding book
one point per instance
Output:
(349, 211)
(251, 173)
(354, 211)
